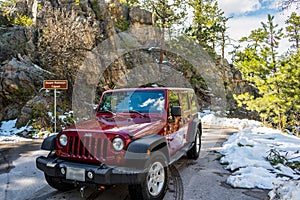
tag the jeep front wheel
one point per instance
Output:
(154, 186)
(194, 152)
(57, 184)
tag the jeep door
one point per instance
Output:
(187, 116)
(176, 126)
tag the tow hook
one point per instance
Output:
(82, 190)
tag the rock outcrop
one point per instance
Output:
(13, 42)
(113, 46)
(20, 80)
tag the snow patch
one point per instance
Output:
(246, 153)
(247, 150)
(287, 190)
(252, 177)
(8, 131)
(212, 120)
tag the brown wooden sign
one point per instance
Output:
(56, 84)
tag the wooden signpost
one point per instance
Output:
(55, 85)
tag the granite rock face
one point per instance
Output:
(63, 32)
(20, 80)
(99, 45)
(12, 42)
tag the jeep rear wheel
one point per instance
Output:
(154, 186)
(194, 152)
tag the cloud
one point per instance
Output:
(239, 27)
(242, 26)
(272, 4)
(239, 7)
(247, 15)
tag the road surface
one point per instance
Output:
(203, 179)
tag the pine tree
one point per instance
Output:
(166, 14)
(209, 25)
(293, 30)
(260, 67)
(289, 76)
(274, 36)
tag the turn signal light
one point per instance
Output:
(102, 187)
(90, 175)
(62, 171)
(58, 152)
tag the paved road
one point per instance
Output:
(191, 180)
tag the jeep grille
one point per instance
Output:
(86, 148)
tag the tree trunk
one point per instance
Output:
(162, 49)
(223, 45)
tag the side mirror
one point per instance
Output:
(176, 111)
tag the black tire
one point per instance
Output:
(154, 186)
(194, 152)
(56, 183)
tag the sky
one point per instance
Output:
(247, 15)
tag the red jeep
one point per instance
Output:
(137, 133)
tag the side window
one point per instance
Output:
(185, 101)
(173, 100)
(193, 102)
(106, 102)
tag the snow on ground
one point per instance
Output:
(212, 120)
(288, 190)
(8, 131)
(245, 153)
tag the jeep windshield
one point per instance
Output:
(132, 102)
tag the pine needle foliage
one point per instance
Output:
(275, 77)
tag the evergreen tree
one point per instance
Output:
(274, 36)
(289, 76)
(259, 66)
(293, 30)
(166, 14)
(209, 25)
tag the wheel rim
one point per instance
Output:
(198, 143)
(156, 178)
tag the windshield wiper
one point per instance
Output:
(108, 111)
(138, 112)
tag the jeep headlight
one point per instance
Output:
(118, 144)
(63, 140)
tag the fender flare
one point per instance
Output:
(49, 143)
(140, 150)
(196, 124)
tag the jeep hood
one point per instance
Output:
(133, 128)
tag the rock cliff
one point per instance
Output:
(20, 80)
(99, 45)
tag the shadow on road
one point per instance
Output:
(10, 152)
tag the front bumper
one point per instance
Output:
(103, 174)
